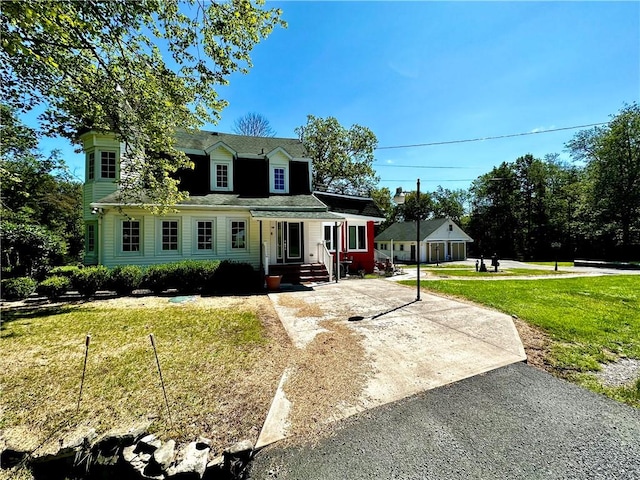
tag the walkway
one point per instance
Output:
(412, 346)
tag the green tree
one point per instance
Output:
(342, 159)
(382, 198)
(612, 168)
(450, 203)
(494, 223)
(415, 209)
(39, 194)
(139, 69)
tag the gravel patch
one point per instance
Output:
(622, 372)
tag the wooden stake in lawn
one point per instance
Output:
(153, 344)
(84, 369)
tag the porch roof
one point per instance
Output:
(233, 201)
(294, 215)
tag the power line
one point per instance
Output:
(420, 166)
(430, 180)
(490, 138)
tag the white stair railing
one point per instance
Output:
(325, 257)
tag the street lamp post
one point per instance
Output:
(399, 199)
(556, 246)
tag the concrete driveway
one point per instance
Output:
(413, 346)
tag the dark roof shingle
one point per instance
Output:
(241, 144)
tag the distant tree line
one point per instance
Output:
(525, 208)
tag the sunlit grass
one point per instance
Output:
(552, 264)
(506, 272)
(214, 364)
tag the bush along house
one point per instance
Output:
(250, 200)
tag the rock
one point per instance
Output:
(10, 457)
(237, 456)
(192, 462)
(149, 444)
(215, 469)
(80, 438)
(122, 437)
(245, 447)
(139, 462)
(165, 455)
(203, 442)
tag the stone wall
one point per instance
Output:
(132, 454)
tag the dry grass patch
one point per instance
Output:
(221, 361)
(536, 343)
(329, 376)
(303, 309)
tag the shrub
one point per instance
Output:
(65, 271)
(124, 279)
(18, 288)
(158, 278)
(236, 277)
(87, 281)
(29, 249)
(193, 276)
(54, 287)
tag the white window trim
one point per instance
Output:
(120, 224)
(159, 250)
(213, 176)
(356, 225)
(273, 165)
(230, 234)
(214, 244)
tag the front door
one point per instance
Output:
(289, 242)
(413, 253)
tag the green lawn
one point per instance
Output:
(471, 272)
(553, 264)
(591, 320)
(213, 362)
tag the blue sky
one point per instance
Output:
(424, 72)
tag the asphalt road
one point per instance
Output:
(515, 422)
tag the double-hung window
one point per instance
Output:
(169, 235)
(279, 178)
(108, 165)
(222, 175)
(204, 236)
(238, 235)
(357, 237)
(130, 235)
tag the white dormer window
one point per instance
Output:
(279, 184)
(279, 178)
(278, 171)
(221, 175)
